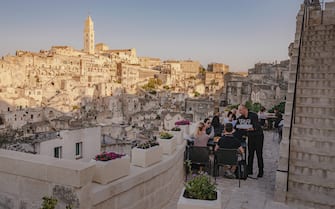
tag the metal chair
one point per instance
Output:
(224, 157)
(199, 156)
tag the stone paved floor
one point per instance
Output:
(253, 193)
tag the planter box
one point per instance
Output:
(178, 135)
(185, 130)
(186, 203)
(168, 145)
(108, 171)
(146, 157)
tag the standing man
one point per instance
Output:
(255, 137)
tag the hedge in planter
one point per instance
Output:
(168, 142)
(146, 154)
(200, 193)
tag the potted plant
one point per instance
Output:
(146, 154)
(110, 166)
(168, 142)
(200, 193)
(176, 131)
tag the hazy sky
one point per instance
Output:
(239, 33)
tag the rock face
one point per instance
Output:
(306, 172)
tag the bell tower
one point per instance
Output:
(89, 36)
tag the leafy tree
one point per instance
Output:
(254, 107)
(49, 203)
(152, 84)
(280, 107)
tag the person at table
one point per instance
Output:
(262, 116)
(255, 137)
(228, 141)
(200, 136)
(209, 127)
(231, 118)
(218, 128)
(209, 132)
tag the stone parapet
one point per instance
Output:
(329, 14)
(25, 179)
(44, 168)
(150, 187)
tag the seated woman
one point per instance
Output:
(228, 141)
(200, 136)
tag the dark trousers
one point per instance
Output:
(255, 144)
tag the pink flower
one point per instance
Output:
(105, 156)
(182, 122)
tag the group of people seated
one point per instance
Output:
(232, 134)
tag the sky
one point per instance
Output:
(239, 33)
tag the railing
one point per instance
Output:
(295, 89)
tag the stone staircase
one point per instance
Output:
(309, 145)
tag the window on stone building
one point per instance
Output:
(58, 152)
(79, 150)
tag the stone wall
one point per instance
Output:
(26, 178)
(306, 172)
(145, 187)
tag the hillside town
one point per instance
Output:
(74, 124)
(64, 88)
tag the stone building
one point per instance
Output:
(190, 68)
(218, 68)
(214, 77)
(237, 88)
(174, 73)
(200, 108)
(149, 62)
(89, 36)
(306, 172)
(268, 83)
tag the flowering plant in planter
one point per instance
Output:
(165, 135)
(147, 144)
(105, 156)
(200, 187)
(182, 122)
(176, 129)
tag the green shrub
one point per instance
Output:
(200, 187)
(49, 203)
(165, 135)
(280, 107)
